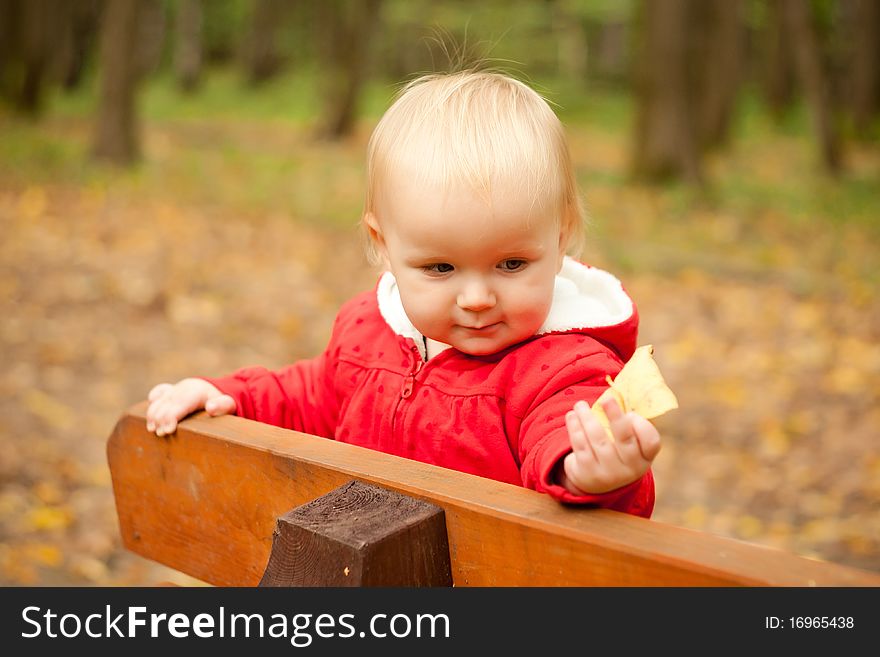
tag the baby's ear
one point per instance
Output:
(374, 231)
(375, 236)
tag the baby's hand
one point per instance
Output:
(170, 403)
(598, 465)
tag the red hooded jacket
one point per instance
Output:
(500, 416)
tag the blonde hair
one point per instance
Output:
(481, 129)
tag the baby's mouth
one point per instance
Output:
(482, 327)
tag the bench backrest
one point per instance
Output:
(205, 502)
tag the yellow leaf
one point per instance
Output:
(749, 527)
(728, 391)
(46, 555)
(696, 516)
(774, 438)
(638, 387)
(48, 518)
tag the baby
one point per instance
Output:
(483, 344)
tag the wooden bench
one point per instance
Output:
(207, 500)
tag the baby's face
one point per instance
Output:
(475, 276)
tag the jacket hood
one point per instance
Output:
(585, 300)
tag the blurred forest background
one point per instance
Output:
(181, 181)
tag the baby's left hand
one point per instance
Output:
(598, 465)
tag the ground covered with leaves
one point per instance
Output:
(235, 243)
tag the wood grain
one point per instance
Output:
(360, 535)
(205, 501)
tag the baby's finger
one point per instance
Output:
(576, 433)
(155, 414)
(648, 437)
(620, 423)
(578, 466)
(602, 447)
(166, 421)
(612, 409)
(626, 443)
(159, 390)
(165, 417)
(167, 429)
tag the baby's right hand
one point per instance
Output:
(171, 402)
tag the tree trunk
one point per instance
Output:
(571, 42)
(665, 138)
(719, 64)
(150, 38)
(814, 80)
(34, 56)
(344, 31)
(778, 62)
(610, 56)
(865, 69)
(77, 41)
(188, 53)
(261, 58)
(36, 27)
(10, 48)
(116, 137)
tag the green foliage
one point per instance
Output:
(601, 10)
(223, 22)
(243, 145)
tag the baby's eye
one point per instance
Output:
(512, 264)
(438, 268)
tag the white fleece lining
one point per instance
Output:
(583, 297)
(391, 309)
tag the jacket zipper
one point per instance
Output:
(410, 379)
(408, 384)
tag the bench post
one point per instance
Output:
(360, 535)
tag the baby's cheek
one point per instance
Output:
(423, 310)
(532, 316)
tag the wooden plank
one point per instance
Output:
(205, 501)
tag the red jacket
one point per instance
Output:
(500, 416)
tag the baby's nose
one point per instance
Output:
(476, 296)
